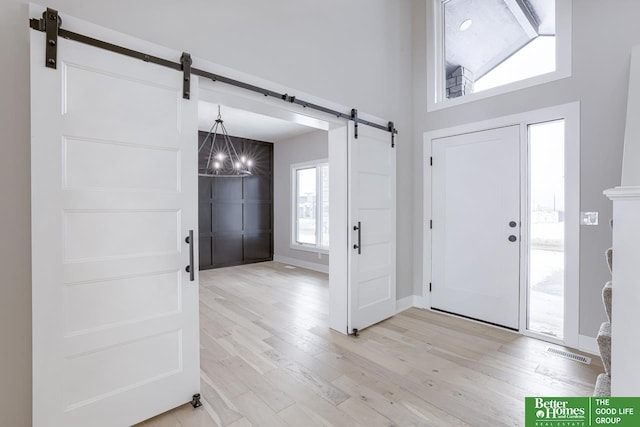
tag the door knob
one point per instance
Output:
(512, 238)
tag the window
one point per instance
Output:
(310, 201)
(546, 228)
(481, 49)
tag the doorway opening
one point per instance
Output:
(254, 217)
(546, 247)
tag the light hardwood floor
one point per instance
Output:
(269, 358)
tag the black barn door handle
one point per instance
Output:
(358, 228)
(189, 268)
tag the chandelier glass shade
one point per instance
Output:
(222, 159)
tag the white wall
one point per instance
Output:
(303, 148)
(357, 53)
(603, 35)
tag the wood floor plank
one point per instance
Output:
(256, 412)
(296, 415)
(364, 413)
(320, 410)
(190, 417)
(257, 382)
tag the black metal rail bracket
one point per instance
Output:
(392, 129)
(354, 117)
(186, 62)
(50, 24)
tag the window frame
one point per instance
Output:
(436, 98)
(294, 244)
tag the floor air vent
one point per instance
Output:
(568, 355)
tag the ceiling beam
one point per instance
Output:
(527, 19)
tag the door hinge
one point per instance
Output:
(50, 24)
(394, 131)
(186, 62)
(430, 224)
(430, 161)
(429, 286)
(354, 117)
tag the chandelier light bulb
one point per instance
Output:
(220, 156)
(238, 165)
(243, 159)
(216, 165)
(249, 162)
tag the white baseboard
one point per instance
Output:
(588, 345)
(303, 264)
(419, 301)
(404, 303)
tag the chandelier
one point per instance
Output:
(222, 160)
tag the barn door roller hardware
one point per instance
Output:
(50, 16)
(50, 24)
(185, 62)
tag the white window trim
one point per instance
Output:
(294, 216)
(436, 99)
(571, 114)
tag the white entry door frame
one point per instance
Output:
(571, 114)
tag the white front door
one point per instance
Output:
(476, 225)
(372, 213)
(114, 194)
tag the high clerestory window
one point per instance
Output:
(480, 48)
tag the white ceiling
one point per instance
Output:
(245, 124)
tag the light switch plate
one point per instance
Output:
(588, 218)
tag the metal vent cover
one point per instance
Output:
(569, 355)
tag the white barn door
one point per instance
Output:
(114, 194)
(372, 213)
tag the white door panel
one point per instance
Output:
(372, 203)
(114, 194)
(476, 194)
